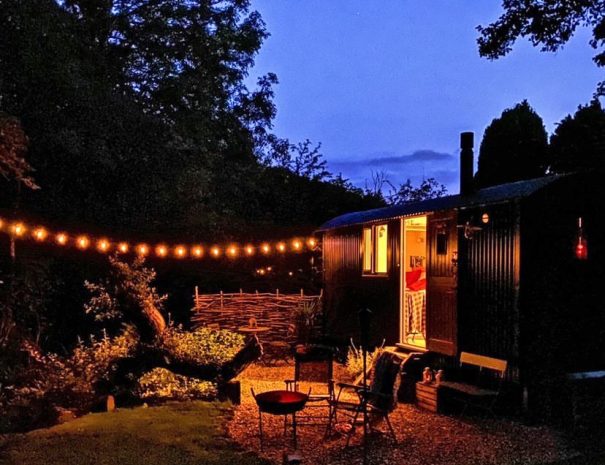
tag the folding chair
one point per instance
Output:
(314, 365)
(378, 399)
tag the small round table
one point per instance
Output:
(279, 403)
(253, 329)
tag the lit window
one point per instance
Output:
(375, 250)
(380, 263)
(367, 250)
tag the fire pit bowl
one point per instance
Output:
(281, 402)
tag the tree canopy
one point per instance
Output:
(139, 118)
(548, 24)
(578, 142)
(514, 147)
(429, 188)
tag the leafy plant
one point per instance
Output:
(202, 346)
(162, 384)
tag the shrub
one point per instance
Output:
(95, 361)
(203, 346)
(162, 384)
(48, 381)
(354, 365)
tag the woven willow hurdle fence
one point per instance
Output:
(275, 310)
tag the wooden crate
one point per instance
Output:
(427, 396)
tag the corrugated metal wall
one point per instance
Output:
(346, 291)
(488, 279)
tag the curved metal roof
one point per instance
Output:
(489, 195)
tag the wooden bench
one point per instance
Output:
(475, 392)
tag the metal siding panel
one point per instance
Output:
(489, 269)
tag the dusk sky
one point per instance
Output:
(388, 86)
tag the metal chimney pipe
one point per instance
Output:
(466, 162)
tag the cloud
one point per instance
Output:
(415, 166)
(419, 156)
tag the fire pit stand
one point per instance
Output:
(279, 403)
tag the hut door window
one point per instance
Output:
(375, 250)
(413, 299)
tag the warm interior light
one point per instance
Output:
(1, 223)
(215, 251)
(161, 250)
(142, 249)
(312, 242)
(19, 229)
(485, 218)
(249, 250)
(296, 245)
(180, 251)
(61, 238)
(82, 242)
(232, 251)
(261, 271)
(281, 247)
(197, 251)
(265, 248)
(123, 247)
(290, 273)
(103, 245)
(40, 234)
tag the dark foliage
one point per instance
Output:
(514, 147)
(429, 188)
(548, 24)
(578, 142)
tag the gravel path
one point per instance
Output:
(423, 438)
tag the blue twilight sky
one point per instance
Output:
(389, 85)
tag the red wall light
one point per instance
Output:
(581, 247)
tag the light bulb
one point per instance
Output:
(40, 234)
(82, 242)
(197, 251)
(180, 251)
(142, 249)
(19, 229)
(103, 245)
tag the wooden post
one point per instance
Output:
(221, 300)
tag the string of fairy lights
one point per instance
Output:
(84, 242)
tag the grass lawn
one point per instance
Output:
(177, 433)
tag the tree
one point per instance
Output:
(429, 188)
(514, 147)
(578, 142)
(13, 147)
(302, 159)
(549, 24)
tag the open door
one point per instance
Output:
(442, 321)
